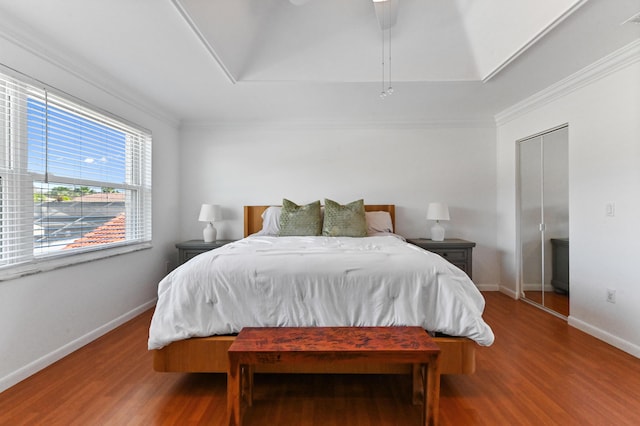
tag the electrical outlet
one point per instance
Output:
(611, 295)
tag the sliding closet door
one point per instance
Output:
(556, 219)
(531, 212)
(544, 219)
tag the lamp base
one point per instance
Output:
(209, 233)
(437, 232)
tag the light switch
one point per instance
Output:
(610, 209)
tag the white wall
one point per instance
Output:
(408, 167)
(48, 315)
(603, 110)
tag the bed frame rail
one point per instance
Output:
(209, 355)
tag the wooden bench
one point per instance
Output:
(294, 345)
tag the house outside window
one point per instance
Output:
(73, 179)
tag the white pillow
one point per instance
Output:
(270, 221)
(378, 222)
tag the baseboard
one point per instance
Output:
(488, 287)
(619, 343)
(48, 359)
(509, 292)
(536, 287)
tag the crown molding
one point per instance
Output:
(81, 70)
(536, 38)
(339, 125)
(611, 63)
(203, 39)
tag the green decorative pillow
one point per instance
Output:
(344, 220)
(298, 220)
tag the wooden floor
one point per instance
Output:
(539, 371)
(557, 302)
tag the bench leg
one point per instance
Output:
(234, 396)
(247, 383)
(418, 384)
(431, 409)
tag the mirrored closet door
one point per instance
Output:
(544, 219)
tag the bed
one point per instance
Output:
(187, 348)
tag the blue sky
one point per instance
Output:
(78, 147)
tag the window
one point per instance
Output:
(72, 179)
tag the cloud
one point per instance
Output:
(90, 160)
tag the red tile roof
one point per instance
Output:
(110, 232)
(101, 197)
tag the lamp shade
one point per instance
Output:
(210, 213)
(438, 211)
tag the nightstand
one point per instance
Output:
(192, 248)
(456, 251)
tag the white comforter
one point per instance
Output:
(316, 281)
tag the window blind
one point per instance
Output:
(72, 177)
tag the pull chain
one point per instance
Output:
(390, 88)
(386, 16)
(383, 94)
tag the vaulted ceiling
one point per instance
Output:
(341, 41)
(320, 60)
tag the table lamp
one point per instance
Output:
(210, 213)
(437, 212)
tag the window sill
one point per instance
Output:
(44, 265)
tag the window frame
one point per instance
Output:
(15, 88)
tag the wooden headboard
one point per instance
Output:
(253, 216)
